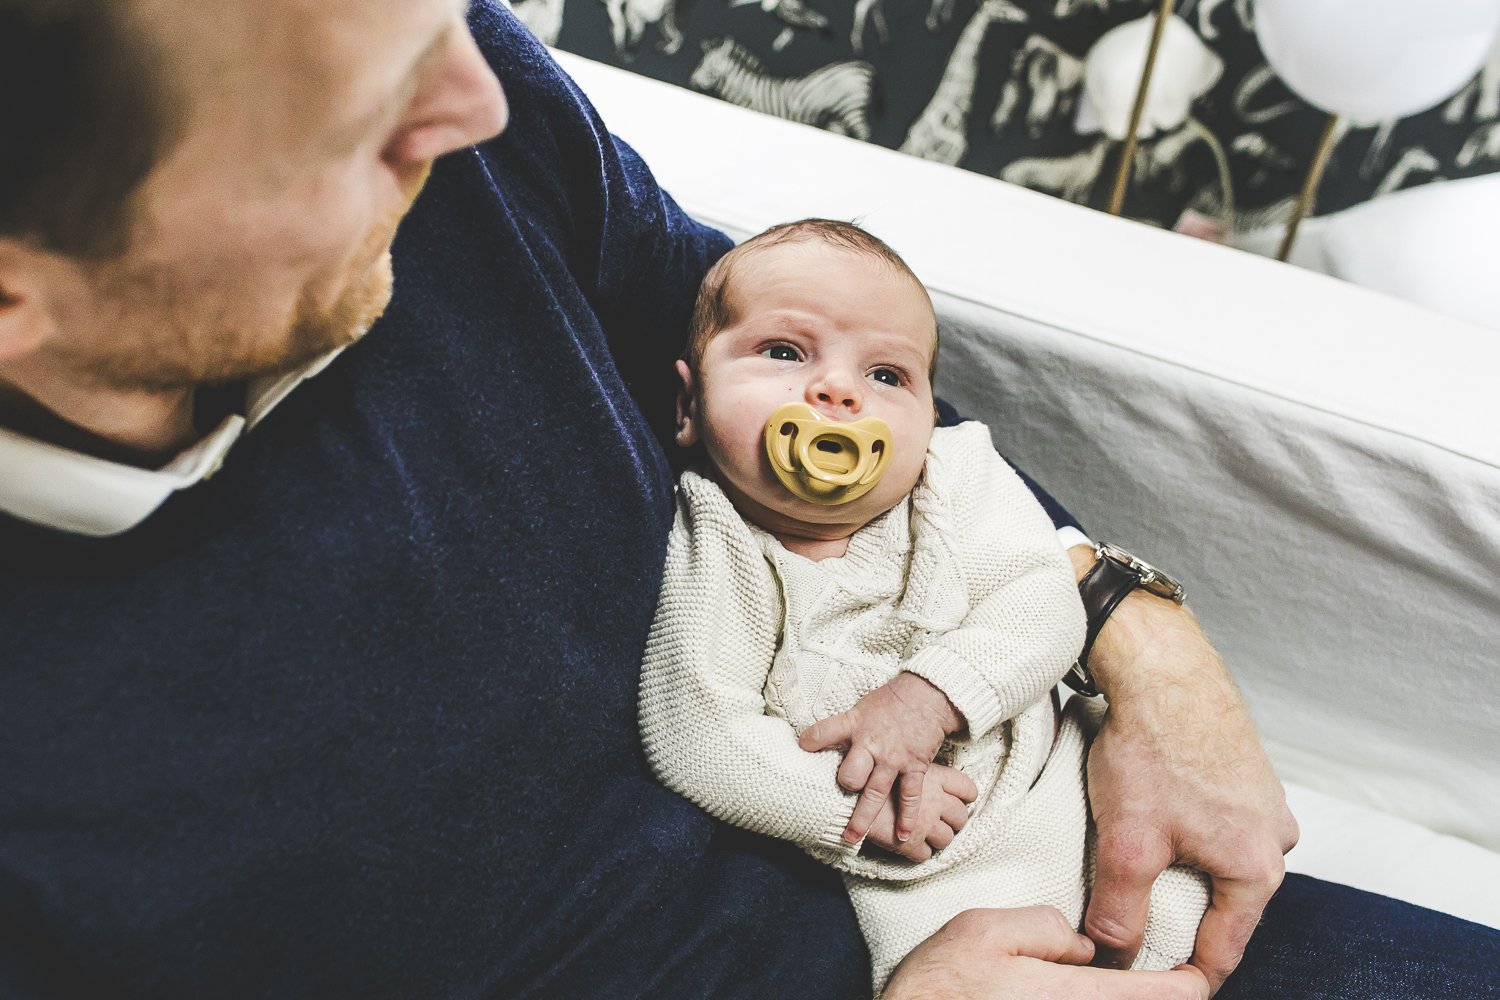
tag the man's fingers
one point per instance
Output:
(868, 806)
(833, 731)
(854, 772)
(1039, 932)
(908, 804)
(940, 836)
(1232, 914)
(1125, 869)
(1182, 983)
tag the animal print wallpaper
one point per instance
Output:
(994, 86)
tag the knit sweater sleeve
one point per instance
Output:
(702, 711)
(1025, 622)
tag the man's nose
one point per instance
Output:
(458, 105)
(480, 110)
(836, 392)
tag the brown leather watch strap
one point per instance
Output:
(1102, 588)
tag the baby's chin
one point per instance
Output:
(781, 512)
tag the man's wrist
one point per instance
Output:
(1153, 648)
(1145, 641)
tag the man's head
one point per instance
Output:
(813, 312)
(208, 192)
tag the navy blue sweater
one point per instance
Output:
(356, 717)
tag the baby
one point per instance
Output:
(843, 575)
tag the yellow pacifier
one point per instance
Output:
(826, 461)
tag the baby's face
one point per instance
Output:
(842, 332)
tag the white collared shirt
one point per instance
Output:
(70, 491)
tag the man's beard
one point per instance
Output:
(170, 355)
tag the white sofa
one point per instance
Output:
(1319, 463)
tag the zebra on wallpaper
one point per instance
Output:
(835, 97)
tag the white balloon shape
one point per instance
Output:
(1185, 70)
(1371, 60)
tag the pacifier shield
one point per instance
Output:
(826, 461)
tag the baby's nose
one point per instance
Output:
(836, 392)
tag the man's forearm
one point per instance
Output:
(1177, 774)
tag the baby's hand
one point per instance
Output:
(943, 811)
(892, 733)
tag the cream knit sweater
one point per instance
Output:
(964, 584)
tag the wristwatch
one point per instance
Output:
(1114, 575)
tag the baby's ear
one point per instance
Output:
(687, 408)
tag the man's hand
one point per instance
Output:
(1177, 775)
(892, 734)
(946, 794)
(1025, 954)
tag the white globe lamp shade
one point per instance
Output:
(1373, 60)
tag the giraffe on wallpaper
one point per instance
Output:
(835, 97)
(941, 132)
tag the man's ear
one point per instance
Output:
(26, 321)
(687, 408)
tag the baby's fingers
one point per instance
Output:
(953, 812)
(909, 804)
(955, 782)
(868, 806)
(940, 836)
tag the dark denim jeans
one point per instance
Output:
(1321, 941)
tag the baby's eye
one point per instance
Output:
(781, 352)
(889, 376)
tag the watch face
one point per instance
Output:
(1153, 580)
